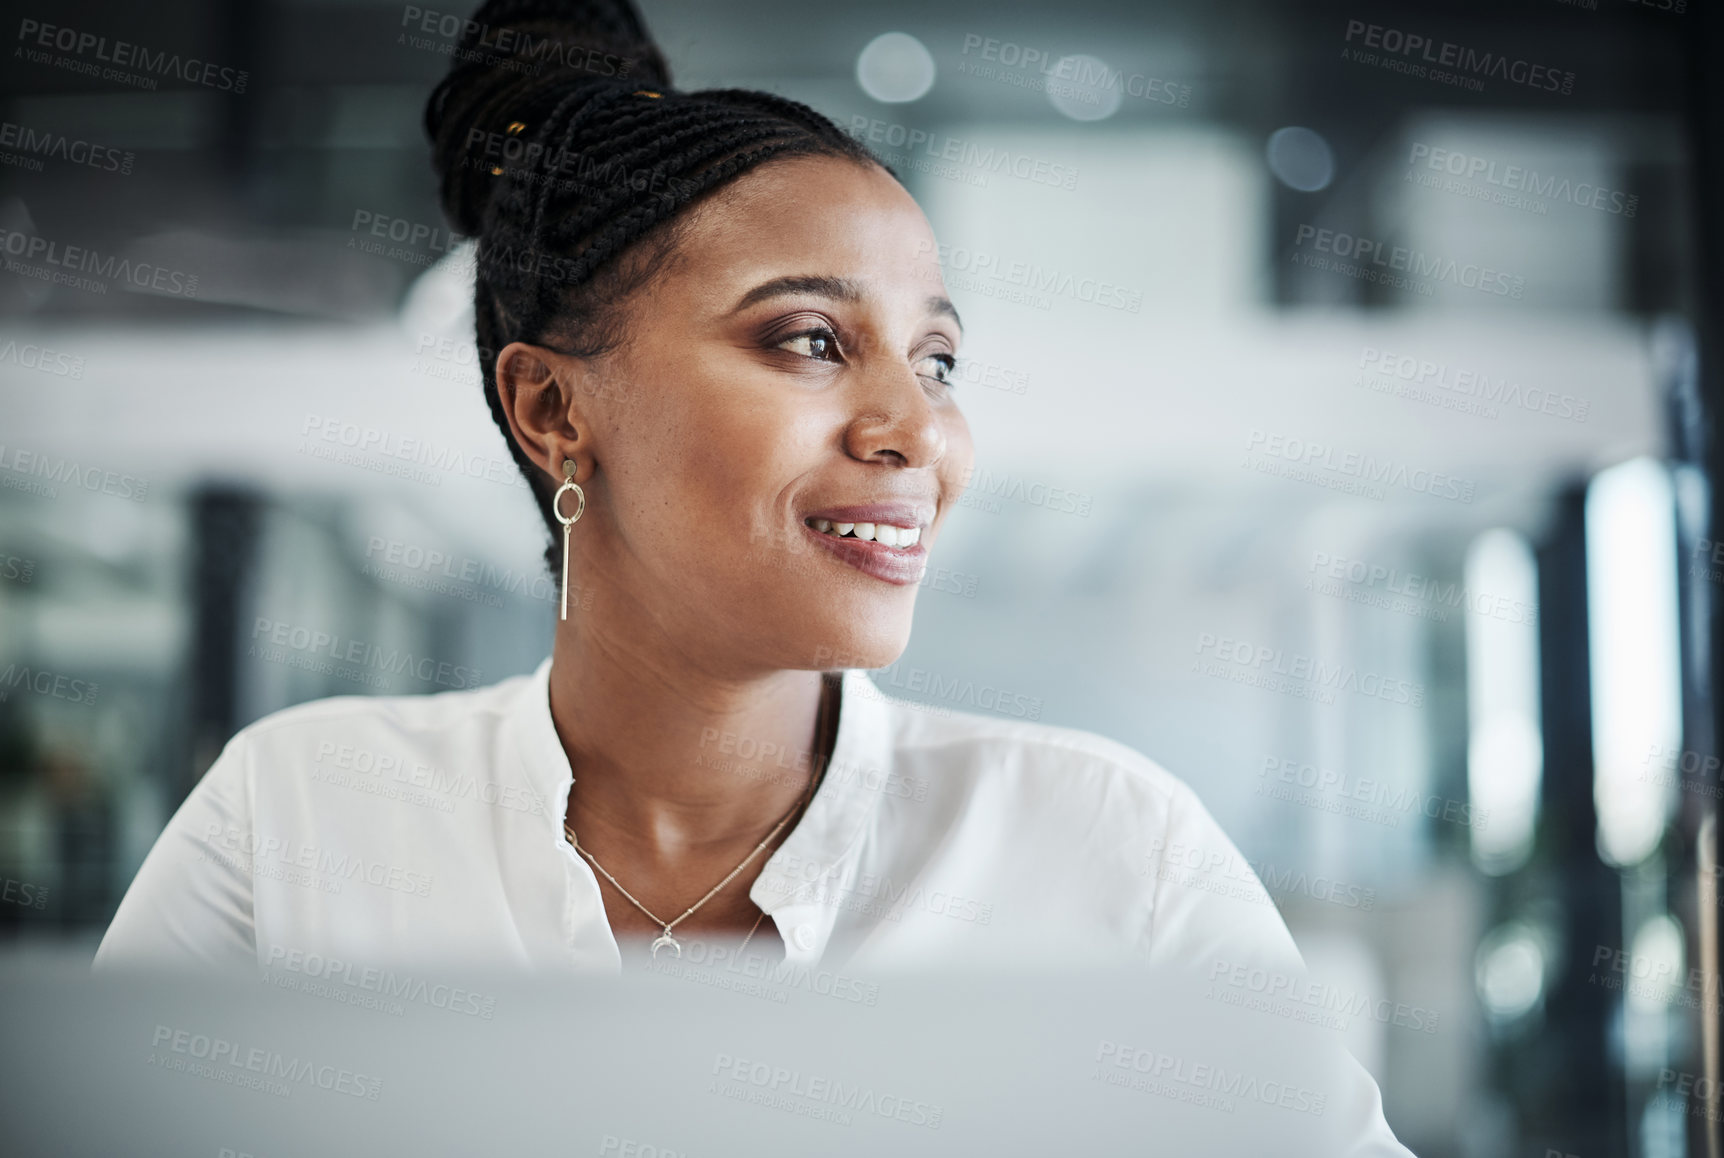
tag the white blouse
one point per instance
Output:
(393, 829)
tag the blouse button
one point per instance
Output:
(804, 937)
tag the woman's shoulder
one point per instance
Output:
(347, 756)
(386, 730)
(435, 711)
(1028, 756)
(1038, 810)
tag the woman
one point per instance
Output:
(723, 354)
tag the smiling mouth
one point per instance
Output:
(886, 534)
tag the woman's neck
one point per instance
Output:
(677, 761)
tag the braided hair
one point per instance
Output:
(564, 149)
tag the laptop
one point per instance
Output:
(317, 1059)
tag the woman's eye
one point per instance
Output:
(816, 343)
(944, 366)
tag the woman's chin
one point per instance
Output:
(880, 646)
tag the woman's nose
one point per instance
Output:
(895, 417)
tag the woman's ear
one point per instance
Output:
(543, 408)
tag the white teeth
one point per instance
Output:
(886, 534)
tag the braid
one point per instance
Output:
(563, 147)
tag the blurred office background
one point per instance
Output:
(1340, 413)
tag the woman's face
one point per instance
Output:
(784, 372)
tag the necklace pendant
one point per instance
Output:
(666, 941)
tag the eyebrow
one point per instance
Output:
(839, 289)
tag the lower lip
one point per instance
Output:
(900, 566)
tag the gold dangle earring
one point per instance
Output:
(569, 484)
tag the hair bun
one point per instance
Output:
(517, 59)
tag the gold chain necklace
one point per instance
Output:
(667, 940)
